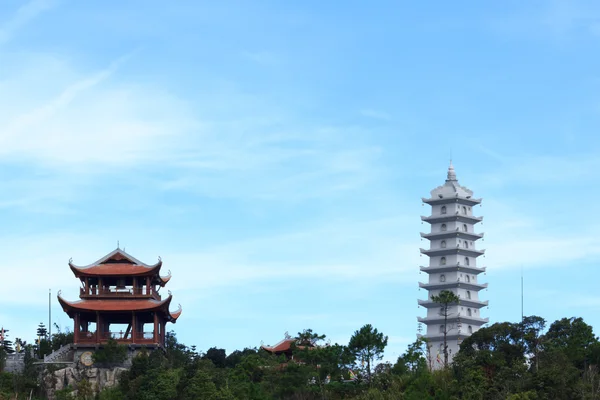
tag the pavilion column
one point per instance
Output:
(133, 327)
(98, 328)
(155, 335)
(76, 330)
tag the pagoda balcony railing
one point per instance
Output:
(120, 293)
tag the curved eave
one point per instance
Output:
(453, 268)
(449, 218)
(115, 270)
(164, 279)
(463, 320)
(175, 315)
(453, 285)
(452, 250)
(451, 200)
(452, 234)
(94, 305)
(465, 303)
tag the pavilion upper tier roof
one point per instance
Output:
(114, 305)
(118, 263)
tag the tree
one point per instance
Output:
(111, 354)
(367, 345)
(5, 344)
(414, 360)
(574, 337)
(217, 356)
(445, 299)
(532, 335)
(42, 332)
(491, 362)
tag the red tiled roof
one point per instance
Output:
(114, 269)
(117, 263)
(115, 305)
(284, 345)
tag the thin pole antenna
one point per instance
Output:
(49, 313)
(521, 294)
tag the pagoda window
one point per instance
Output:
(467, 262)
(442, 278)
(444, 227)
(464, 210)
(443, 261)
(469, 313)
(442, 327)
(443, 244)
(470, 329)
(464, 227)
(467, 278)
(468, 294)
(443, 209)
(466, 245)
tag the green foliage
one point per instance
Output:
(217, 356)
(111, 394)
(515, 361)
(85, 391)
(367, 345)
(64, 394)
(111, 354)
(445, 299)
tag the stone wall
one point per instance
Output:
(15, 362)
(99, 378)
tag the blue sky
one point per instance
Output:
(275, 154)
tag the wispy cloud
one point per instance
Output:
(556, 19)
(266, 58)
(22, 17)
(376, 114)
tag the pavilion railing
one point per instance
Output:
(127, 292)
(144, 335)
(87, 337)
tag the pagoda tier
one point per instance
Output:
(467, 201)
(467, 303)
(436, 219)
(452, 251)
(452, 267)
(452, 285)
(120, 299)
(452, 234)
(463, 319)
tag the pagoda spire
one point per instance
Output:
(451, 173)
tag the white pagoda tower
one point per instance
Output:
(452, 266)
